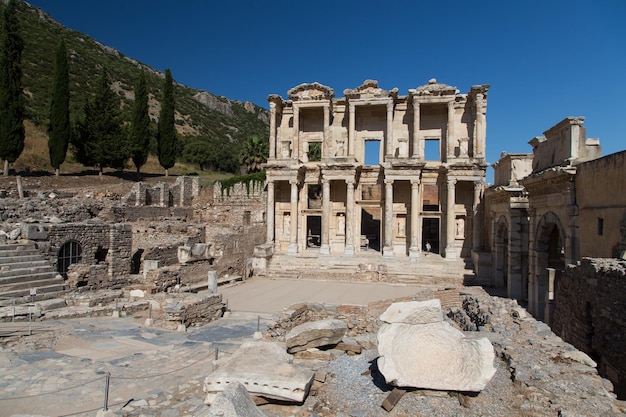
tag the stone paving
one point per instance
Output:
(147, 366)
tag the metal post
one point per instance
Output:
(30, 320)
(217, 350)
(258, 323)
(107, 381)
(150, 311)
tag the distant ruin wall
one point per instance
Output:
(239, 205)
(590, 313)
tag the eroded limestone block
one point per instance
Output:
(234, 401)
(265, 369)
(433, 355)
(315, 334)
(412, 312)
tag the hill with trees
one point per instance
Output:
(208, 124)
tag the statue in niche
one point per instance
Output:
(463, 147)
(286, 225)
(401, 227)
(460, 227)
(341, 224)
(403, 148)
(286, 149)
(340, 151)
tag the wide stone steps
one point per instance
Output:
(24, 268)
(432, 270)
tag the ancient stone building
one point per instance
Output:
(376, 170)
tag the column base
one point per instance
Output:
(387, 252)
(451, 253)
(414, 254)
(325, 249)
(292, 249)
(348, 250)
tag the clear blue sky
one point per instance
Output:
(545, 60)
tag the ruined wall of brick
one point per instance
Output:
(179, 194)
(95, 239)
(83, 278)
(590, 313)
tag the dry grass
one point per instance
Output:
(35, 159)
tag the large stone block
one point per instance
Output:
(234, 401)
(265, 369)
(315, 334)
(412, 312)
(432, 355)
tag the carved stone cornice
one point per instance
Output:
(311, 91)
(555, 180)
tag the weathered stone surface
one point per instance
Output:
(411, 312)
(315, 334)
(432, 355)
(234, 401)
(265, 369)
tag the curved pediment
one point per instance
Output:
(433, 88)
(369, 89)
(311, 91)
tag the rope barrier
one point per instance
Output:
(52, 392)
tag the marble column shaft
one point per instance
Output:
(350, 218)
(476, 220)
(272, 130)
(295, 145)
(450, 131)
(351, 129)
(270, 212)
(325, 248)
(293, 233)
(388, 217)
(450, 215)
(416, 128)
(325, 140)
(415, 215)
(389, 147)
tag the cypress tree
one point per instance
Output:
(166, 137)
(11, 97)
(59, 129)
(140, 124)
(101, 141)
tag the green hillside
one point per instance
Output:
(215, 121)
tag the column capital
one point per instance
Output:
(351, 107)
(350, 181)
(388, 181)
(415, 181)
(272, 106)
(478, 183)
(293, 182)
(451, 181)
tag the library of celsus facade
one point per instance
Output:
(375, 170)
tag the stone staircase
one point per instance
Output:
(23, 267)
(431, 270)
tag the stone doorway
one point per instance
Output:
(502, 255)
(313, 231)
(430, 233)
(370, 226)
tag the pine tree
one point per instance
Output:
(140, 124)
(11, 97)
(59, 129)
(166, 137)
(101, 141)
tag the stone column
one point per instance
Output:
(450, 219)
(450, 131)
(269, 217)
(272, 130)
(293, 221)
(389, 144)
(325, 247)
(480, 130)
(476, 221)
(326, 137)
(388, 231)
(416, 128)
(350, 218)
(414, 249)
(351, 129)
(295, 144)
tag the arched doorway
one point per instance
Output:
(70, 253)
(549, 263)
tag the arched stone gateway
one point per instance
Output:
(549, 255)
(71, 252)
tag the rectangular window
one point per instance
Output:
(600, 226)
(372, 152)
(432, 149)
